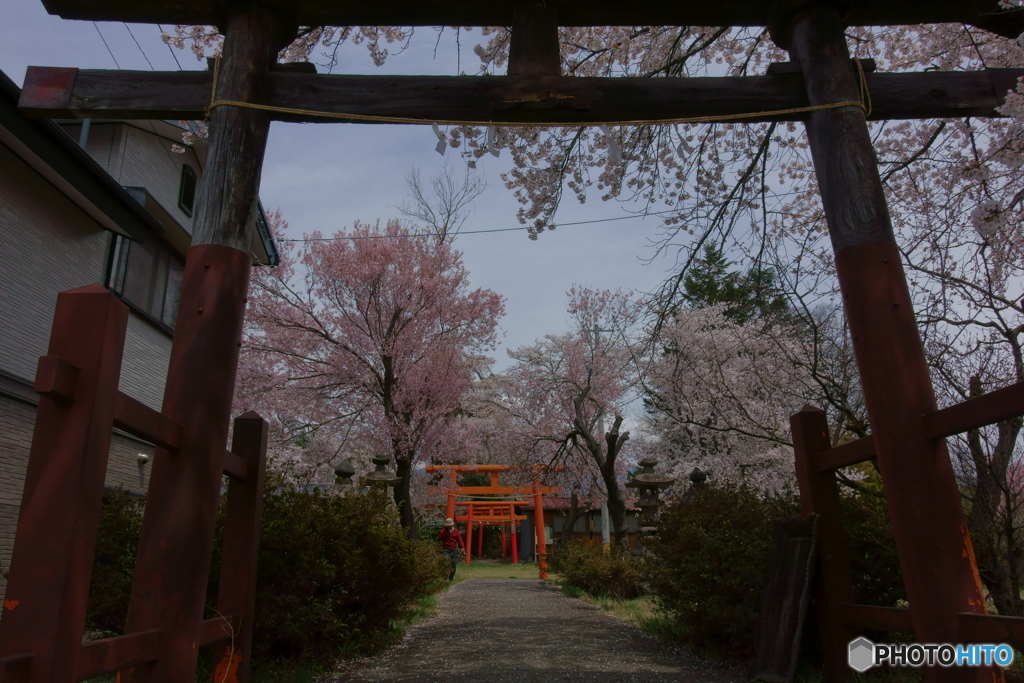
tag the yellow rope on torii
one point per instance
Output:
(864, 104)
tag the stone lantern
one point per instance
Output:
(343, 474)
(380, 476)
(650, 485)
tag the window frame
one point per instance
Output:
(187, 174)
(117, 268)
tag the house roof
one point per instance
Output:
(44, 146)
(131, 211)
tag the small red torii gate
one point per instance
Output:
(493, 512)
(818, 87)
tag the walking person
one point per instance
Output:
(451, 543)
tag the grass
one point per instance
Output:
(476, 570)
(641, 612)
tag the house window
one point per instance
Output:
(148, 276)
(187, 191)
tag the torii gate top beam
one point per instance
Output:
(985, 14)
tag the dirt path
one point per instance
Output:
(505, 630)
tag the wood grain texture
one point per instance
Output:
(101, 94)
(784, 599)
(533, 48)
(984, 13)
(819, 494)
(226, 198)
(844, 159)
(999, 405)
(922, 497)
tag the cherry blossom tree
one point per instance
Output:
(564, 398)
(368, 339)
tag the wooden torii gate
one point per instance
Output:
(251, 90)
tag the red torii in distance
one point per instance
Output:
(491, 512)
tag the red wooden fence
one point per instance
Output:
(839, 616)
(43, 617)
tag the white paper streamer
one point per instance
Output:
(614, 150)
(492, 142)
(442, 141)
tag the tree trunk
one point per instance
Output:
(991, 515)
(616, 507)
(403, 497)
(570, 521)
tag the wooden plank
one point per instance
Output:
(242, 523)
(784, 599)
(819, 494)
(878, 618)
(533, 48)
(843, 456)
(100, 657)
(989, 628)
(44, 607)
(235, 466)
(140, 420)
(570, 12)
(217, 629)
(975, 413)
(56, 379)
(102, 94)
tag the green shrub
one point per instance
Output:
(877, 579)
(335, 572)
(117, 544)
(709, 570)
(590, 568)
(711, 552)
(335, 575)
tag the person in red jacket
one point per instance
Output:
(451, 543)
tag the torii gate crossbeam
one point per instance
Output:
(170, 580)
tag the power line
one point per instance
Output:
(468, 232)
(477, 232)
(144, 55)
(170, 48)
(96, 26)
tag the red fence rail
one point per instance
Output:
(839, 617)
(43, 616)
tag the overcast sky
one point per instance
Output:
(324, 176)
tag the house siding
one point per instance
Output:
(147, 161)
(17, 422)
(50, 245)
(136, 157)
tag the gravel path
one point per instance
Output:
(505, 630)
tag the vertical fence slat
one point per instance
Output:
(820, 494)
(237, 592)
(44, 610)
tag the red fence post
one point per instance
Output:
(237, 592)
(44, 610)
(169, 586)
(820, 494)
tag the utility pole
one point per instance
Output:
(606, 537)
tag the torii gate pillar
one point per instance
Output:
(169, 587)
(923, 501)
